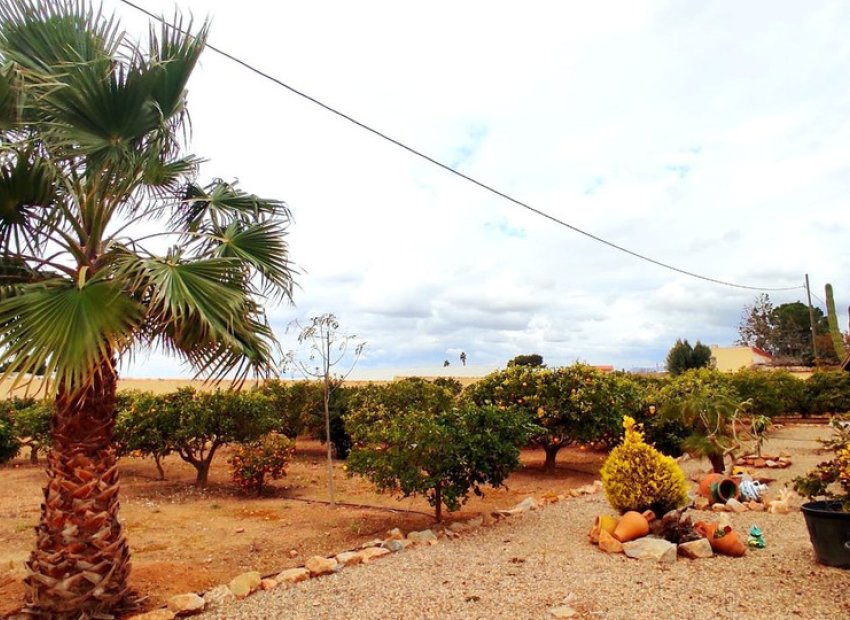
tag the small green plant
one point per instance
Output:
(252, 462)
(825, 480)
(636, 476)
(759, 427)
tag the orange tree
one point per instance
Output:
(92, 132)
(412, 437)
(573, 404)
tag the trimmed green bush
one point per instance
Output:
(771, 393)
(827, 392)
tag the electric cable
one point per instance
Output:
(458, 173)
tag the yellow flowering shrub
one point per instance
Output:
(636, 476)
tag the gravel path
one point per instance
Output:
(522, 567)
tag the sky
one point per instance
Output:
(711, 136)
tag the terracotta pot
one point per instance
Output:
(724, 490)
(728, 543)
(633, 525)
(706, 483)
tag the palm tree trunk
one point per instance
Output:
(81, 563)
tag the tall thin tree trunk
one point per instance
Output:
(81, 562)
(718, 463)
(328, 439)
(438, 501)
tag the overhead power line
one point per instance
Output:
(458, 173)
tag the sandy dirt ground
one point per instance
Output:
(184, 539)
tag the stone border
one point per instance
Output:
(245, 584)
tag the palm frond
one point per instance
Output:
(53, 37)
(27, 193)
(172, 56)
(219, 203)
(260, 246)
(68, 328)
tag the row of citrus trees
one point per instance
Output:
(433, 438)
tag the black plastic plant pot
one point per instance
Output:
(829, 531)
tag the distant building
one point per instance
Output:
(730, 359)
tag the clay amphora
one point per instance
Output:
(633, 525)
(724, 490)
(728, 543)
(707, 482)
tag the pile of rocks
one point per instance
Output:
(246, 584)
(657, 546)
(771, 462)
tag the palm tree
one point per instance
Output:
(92, 134)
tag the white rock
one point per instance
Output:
(186, 603)
(395, 534)
(458, 526)
(268, 584)
(529, 503)
(734, 505)
(696, 549)
(651, 549)
(218, 596)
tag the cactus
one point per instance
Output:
(837, 337)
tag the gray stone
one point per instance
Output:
(648, 548)
(696, 549)
(393, 545)
(424, 537)
(218, 596)
(458, 526)
(395, 534)
(184, 604)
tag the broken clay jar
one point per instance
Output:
(633, 525)
(726, 542)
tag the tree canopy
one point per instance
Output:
(784, 330)
(682, 356)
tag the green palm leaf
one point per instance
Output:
(220, 203)
(262, 247)
(27, 191)
(69, 329)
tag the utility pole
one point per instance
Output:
(812, 321)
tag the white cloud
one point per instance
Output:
(712, 137)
